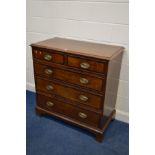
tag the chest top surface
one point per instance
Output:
(97, 50)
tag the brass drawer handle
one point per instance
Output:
(48, 71)
(84, 65)
(82, 115)
(83, 98)
(49, 104)
(48, 57)
(84, 81)
(49, 87)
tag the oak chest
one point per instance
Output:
(77, 82)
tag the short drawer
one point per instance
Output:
(72, 77)
(86, 64)
(51, 56)
(53, 105)
(69, 93)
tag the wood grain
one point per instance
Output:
(56, 58)
(68, 76)
(94, 66)
(68, 92)
(68, 110)
(95, 50)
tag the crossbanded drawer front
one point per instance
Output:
(69, 93)
(86, 64)
(50, 104)
(48, 56)
(68, 76)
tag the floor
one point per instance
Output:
(49, 136)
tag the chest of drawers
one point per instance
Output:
(77, 82)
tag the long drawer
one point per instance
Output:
(69, 93)
(50, 104)
(71, 77)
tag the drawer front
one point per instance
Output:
(48, 56)
(71, 111)
(86, 64)
(69, 93)
(72, 77)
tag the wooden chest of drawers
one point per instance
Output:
(77, 81)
